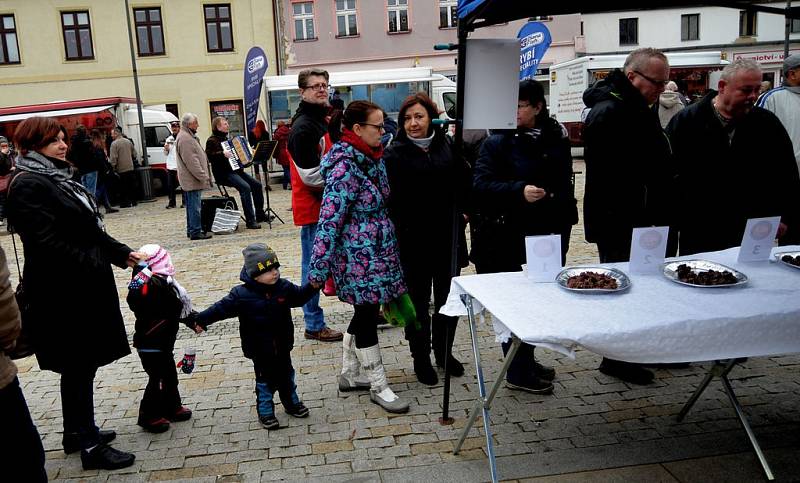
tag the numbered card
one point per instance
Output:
(648, 247)
(758, 239)
(544, 257)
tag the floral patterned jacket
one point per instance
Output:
(355, 239)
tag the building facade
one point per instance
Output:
(190, 54)
(736, 33)
(348, 35)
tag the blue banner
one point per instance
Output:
(534, 40)
(255, 66)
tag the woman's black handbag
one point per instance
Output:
(24, 343)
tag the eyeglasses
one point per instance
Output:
(523, 105)
(379, 127)
(318, 87)
(661, 83)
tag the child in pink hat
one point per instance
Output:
(159, 303)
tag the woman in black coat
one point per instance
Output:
(522, 186)
(427, 184)
(74, 316)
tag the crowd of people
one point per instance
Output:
(379, 217)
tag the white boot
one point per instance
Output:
(380, 393)
(351, 378)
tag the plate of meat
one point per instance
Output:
(703, 273)
(791, 259)
(593, 280)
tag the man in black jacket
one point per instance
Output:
(250, 191)
(734, 161)
(307, 144)
(627, 167)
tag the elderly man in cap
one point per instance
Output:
(172, 164)
(784, 102)
(734, 161)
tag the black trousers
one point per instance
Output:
(420, 276)
(364, 325)
(77, 405)
(22, 458)
(172, 186)
(129, 188)
(161, 397)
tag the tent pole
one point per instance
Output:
(458, 157)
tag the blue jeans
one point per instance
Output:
(250, 192)
(315, 319)
(89, 181)
(193, 225)
(287, 177)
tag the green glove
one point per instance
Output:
(400, 312)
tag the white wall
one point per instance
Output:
(662, 28)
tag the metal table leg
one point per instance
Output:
(721, 370)
(485, 402)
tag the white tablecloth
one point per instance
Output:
(656, 320)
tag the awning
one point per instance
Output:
(62, 112)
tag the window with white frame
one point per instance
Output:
(303, 15)
(346, 23)
(447, 13)
(398, 15)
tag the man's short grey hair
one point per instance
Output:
(739, 65)
(187, 119)
(639, 58)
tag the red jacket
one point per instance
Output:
(306, 200)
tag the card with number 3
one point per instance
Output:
(759, 235)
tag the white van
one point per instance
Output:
(386, 87)
(156, 132)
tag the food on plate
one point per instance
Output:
(592, 280)
(791, 260)
(705, 277)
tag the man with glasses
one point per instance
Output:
(734, 161)
(308, 142)
(627, 167)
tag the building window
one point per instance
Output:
(9, 49)
(447, 13)
(747, 23)
(77, 35)
(303, 15)
(149, 31)
(690, 27)
(628, 31)
(795, 28)
(219, 30)
(346, 23)
(398, 15)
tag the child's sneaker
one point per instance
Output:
(155, 425)
(182, 414)
(299, 410)
(269, 422)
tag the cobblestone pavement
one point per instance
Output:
(593, 428)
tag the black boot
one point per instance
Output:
(72, 443)
(541, 371)
(627, 371)
(104, 457)
(419, 341)
(521, 373)
(444, 345)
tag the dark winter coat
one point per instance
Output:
(74, 306)
(264, 311)
(158, 309)
(220, 165)
(506, 164)
(722, 183)
(424, 189)
(628, 175)
(80, 154)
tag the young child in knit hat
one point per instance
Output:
(159, 303)
(263, 304)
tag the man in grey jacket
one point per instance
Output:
(192, 174)
(121, 156)
(784, 101)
